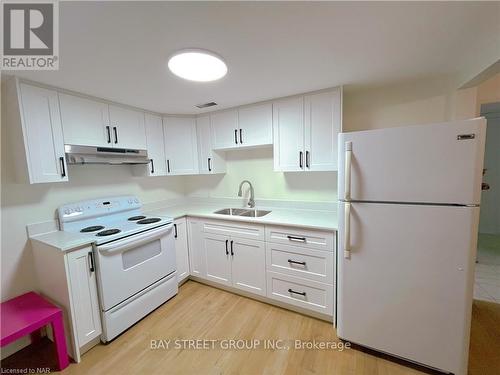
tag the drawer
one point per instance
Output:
(313, 239)
(295, 291)
(233, 229)
(315, 265)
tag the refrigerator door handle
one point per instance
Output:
(347, 230)
(347, 170)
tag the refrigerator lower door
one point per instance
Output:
(425, 163)
(405, 286)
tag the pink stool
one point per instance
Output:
(28, 313)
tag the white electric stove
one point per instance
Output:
(134, 257)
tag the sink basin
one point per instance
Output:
(246, 212)
(255, 213)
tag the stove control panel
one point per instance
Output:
(97, 207)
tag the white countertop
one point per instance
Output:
(313, 219)
(63, 241)
(306, 218)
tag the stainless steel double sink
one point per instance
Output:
(245, 212)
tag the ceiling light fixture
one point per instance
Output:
(197, 65)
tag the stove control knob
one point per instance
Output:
(136, 200)
(66, 211)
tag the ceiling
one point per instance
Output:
(119, 50)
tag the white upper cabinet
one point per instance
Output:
(181, 148)
(288, 128)
(42, 134)
(85, 122)
(322, 126)
(209, 161)
(155, 146)
(245, 127)
(224, 129)
(305, 132)
(127, 128)
(255, 125)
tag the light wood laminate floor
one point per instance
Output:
(204, 312)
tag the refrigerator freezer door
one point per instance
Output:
(438, 163)
(406, 286)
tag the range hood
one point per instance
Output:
(104, 155)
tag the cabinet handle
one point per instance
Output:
(175, 230)
(108, 130)
(227, 251)
(232, 252)
(296, 262)
(301, 159)
(63, 168)
(152, 165)
(116, 134)
(307, 159)
(209, 164)
(168, 166)
(236, 136)
(241, 137)
(91, 258)
(295, 292)
(296, 239)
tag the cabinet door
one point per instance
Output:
(156, 148)
(322, 126)
(209, 161)
(181, 148)
(43, 135)
(217, 258)
(225, 129)
(288, 131)
(84, 295)
(181, 249)
(127, 127)
(85, 122)
(196, 254)
(248, 268)
(256, 125)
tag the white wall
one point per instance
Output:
(256, 165)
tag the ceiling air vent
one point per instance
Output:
(206, 105)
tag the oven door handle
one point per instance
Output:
(135, 240)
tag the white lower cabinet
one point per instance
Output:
(236, 262)
(195, 239)
(248, 264)
(181, 249)
(84, 292)
(294, 267)
(299, 292)
(217, 258)
(69, 280)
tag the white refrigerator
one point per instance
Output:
(408, 217)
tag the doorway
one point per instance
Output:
(487, 286)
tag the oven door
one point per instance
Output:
(127, 266)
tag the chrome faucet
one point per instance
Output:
(251, 200)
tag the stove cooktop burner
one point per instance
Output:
(149, 220)
(108, 232)
(135, 218)
(92, 228)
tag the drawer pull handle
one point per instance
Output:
(295, 292)
(296, 262)
(297, 239)
(227, 252)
